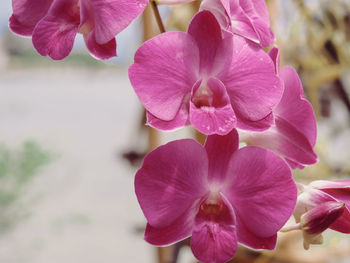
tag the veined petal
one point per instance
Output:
(294, 108)
(54, 35)
(210, 108)
(254, 178)
(258, 126)
(178, 230)
(261, 10)
(112, 16)
(26, 14)
(164, 73)
(206, 31)
(180, 120)
(221, 10)
(214, 234)
(287, 141)
(100, 51)
(171, 179)
(251, 82)
(248, 238)
(220, 150)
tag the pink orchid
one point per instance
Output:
(322, 205)
(218, 194)
(54, 24)
(248, 18)
(199, 77)
(293, 136)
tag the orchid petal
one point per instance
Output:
(251, 239)
(259, 126)
(206, 31)
(54, 35)
(220, 150)
(255, 177)
(214, 236)
(181, 119)
(287, 141)
(210, 108)
(178, 230)
(164, 73)
(100, 51)
(251, 82)
(293, 106)
(170, 180)
(26, 14)
(112, 16)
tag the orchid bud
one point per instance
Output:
(318, 219)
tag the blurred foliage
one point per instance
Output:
(18, 168)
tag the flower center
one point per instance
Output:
(207, 95)
(213, 208)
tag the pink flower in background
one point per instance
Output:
(199, 77)
(217, 194)
(248, 18)
(293, 135)
(322, 205)
(54, 24)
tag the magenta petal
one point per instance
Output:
(220, 150)
(255, 178)
(319, 218)
(26, 14)
(250, 20)
(323, 184)
(250, 239)
(164, 73)
(54, 35)
(171, 179)
(342, 224)
(181, 119)
(251, 82)
(100, 51)
(285, 140)
(293, 106)
(210, 108)
(178, 230)
(259, 126)
(206, 31)
(214, 236)
(111, 17)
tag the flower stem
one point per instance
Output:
(157, 16)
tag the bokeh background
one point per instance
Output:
(72, 137)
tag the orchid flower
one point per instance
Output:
(199, 77)
(248, 18)
(54, 24)
(322, 205)
(218, 194)
(293, 135)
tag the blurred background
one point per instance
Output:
(72, 138)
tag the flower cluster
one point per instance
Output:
(217, 77)
(53, 24)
